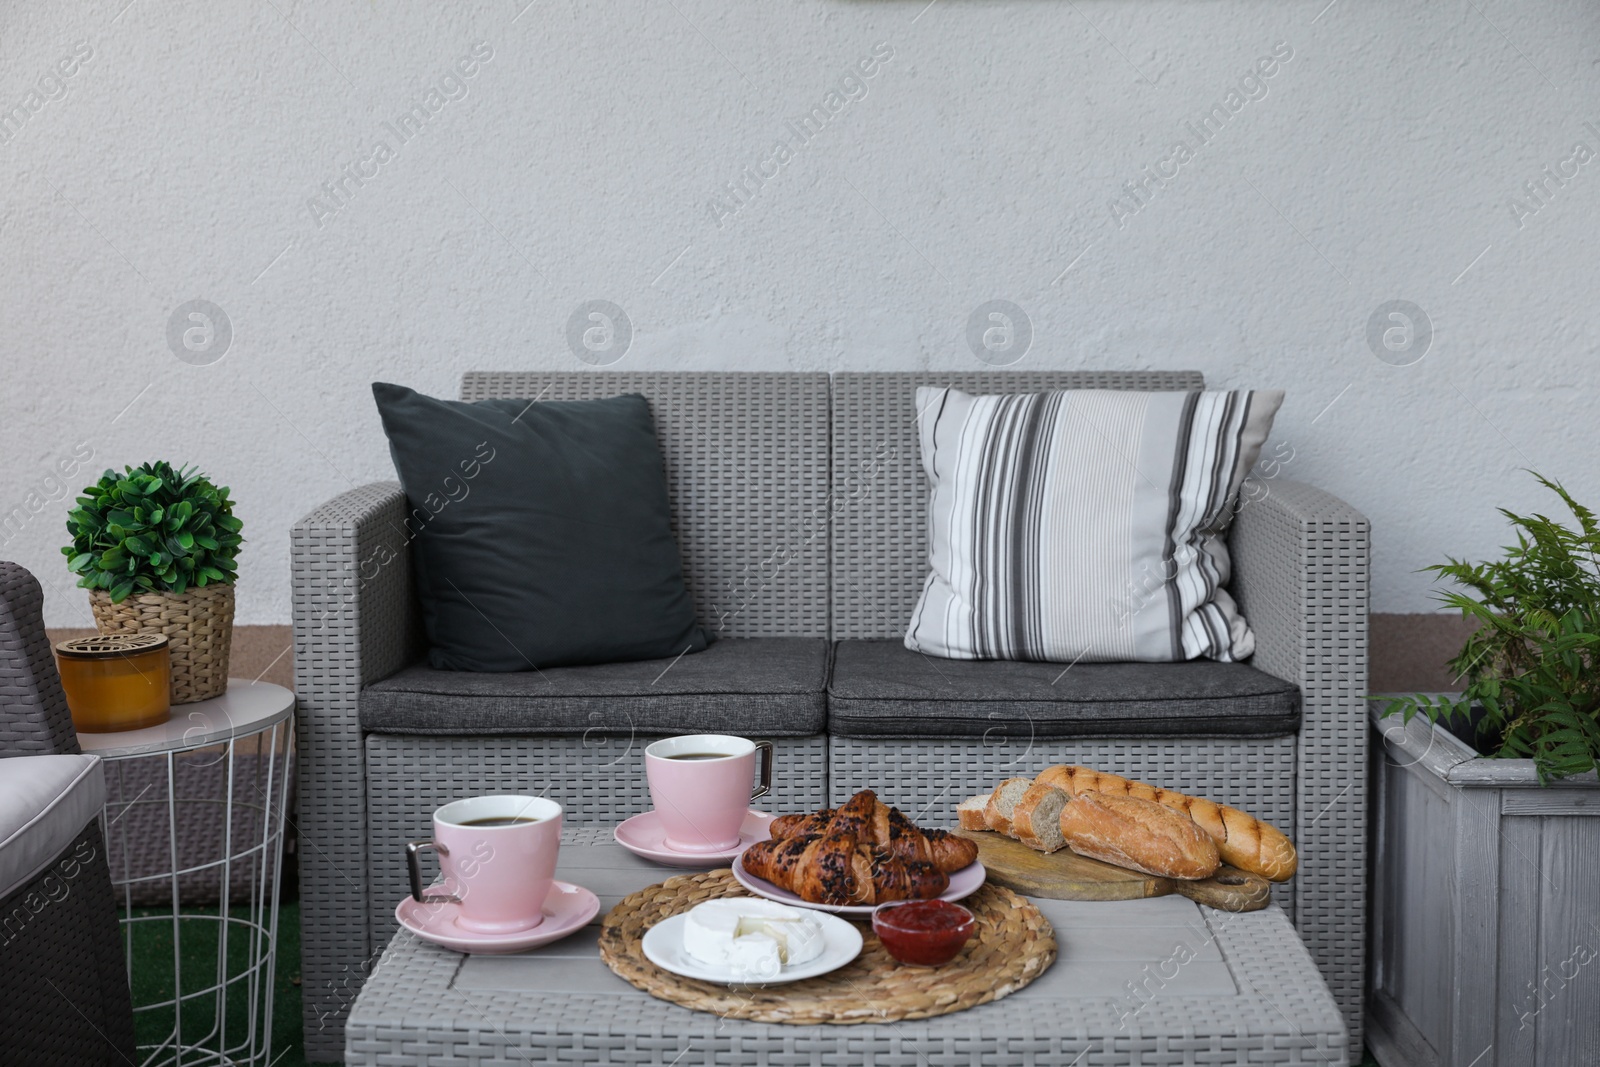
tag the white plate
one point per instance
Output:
(663, 946)
(963, 883)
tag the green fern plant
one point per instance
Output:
(152, 529)
(1531, 664)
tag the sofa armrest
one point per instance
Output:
(355, 622)
(1301, 560)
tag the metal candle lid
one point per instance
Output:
(107, 646)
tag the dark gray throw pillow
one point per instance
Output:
(540, 531)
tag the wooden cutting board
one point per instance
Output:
(1065, 875)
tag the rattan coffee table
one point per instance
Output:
(1157, 981)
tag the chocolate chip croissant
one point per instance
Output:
(880, 826)
(840, 869)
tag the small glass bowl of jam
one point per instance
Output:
(924, 933)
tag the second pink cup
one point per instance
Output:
(702, 786)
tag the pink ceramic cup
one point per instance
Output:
(702, 801)
(498, 858)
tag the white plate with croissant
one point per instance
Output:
(849, 859)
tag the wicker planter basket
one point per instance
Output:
(198, 625)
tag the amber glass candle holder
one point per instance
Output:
(116, 681)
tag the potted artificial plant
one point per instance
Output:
(1486, 924)
(155, 546)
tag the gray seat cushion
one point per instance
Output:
(760, 687)
(45, 802)
(881, 689)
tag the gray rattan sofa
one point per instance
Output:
(64, 999)
(799, 508)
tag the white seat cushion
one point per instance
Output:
(45, 802)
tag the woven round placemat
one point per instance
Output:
(198, 625)
(1013, 945)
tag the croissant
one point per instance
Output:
(800, 825)
(839, 869)
(881, 827)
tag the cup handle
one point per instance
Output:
(765, 748)
(412, 850)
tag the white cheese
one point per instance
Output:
(755, 938)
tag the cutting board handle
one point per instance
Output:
(1230, 889)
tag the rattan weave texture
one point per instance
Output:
(140, 847)
(34, 720)
(1301, 559)
(354, 622)
(64, 998)
(197, 623)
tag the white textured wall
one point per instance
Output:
(977, 163)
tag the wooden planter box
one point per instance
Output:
(1485, 908)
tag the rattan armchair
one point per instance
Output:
(64, 999)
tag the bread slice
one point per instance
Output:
(1002, 802)
(970, 813)
(1037, 817)
(1138, 834)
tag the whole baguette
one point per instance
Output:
(1138, 834)
(1242, 840)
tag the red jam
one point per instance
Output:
(927, 933)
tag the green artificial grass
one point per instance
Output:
(153, 981)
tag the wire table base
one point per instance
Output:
(194, 822)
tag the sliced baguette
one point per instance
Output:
(970, 813)
(1037, 817)
(1242, 840)
(1002, 802)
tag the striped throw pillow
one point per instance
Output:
(1084, 524)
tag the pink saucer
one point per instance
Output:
(567, 910)
(644, 836)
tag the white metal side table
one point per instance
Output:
(195, 813)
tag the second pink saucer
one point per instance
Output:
(644, 836)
